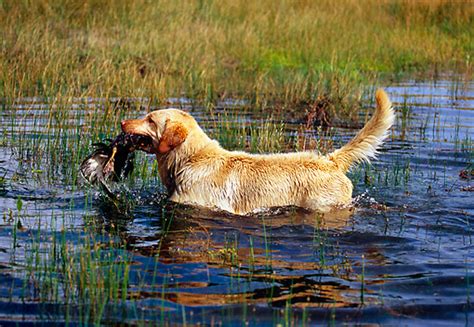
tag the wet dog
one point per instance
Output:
(197, 170)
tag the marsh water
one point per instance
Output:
(405, 255)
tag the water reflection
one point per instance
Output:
(282, 256)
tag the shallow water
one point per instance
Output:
(404, 256)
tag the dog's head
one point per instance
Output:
(167, 129)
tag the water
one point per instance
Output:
(405, 256)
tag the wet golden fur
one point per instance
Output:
(197, 170)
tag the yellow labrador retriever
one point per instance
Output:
(197, 170)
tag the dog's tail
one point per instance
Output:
(364, 145)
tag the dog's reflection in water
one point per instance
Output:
(284, 248)
(182, 233)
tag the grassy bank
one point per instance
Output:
(264, 51)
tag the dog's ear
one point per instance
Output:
(174, 135)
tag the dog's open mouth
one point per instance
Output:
(139, 142)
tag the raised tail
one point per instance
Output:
(364, 145)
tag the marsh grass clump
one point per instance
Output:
(54, 135)
(264, 136)
(89, 277)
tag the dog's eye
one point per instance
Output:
(150, 121)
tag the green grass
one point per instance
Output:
(267, 52)
(87, 276)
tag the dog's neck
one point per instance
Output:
(171, 163)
